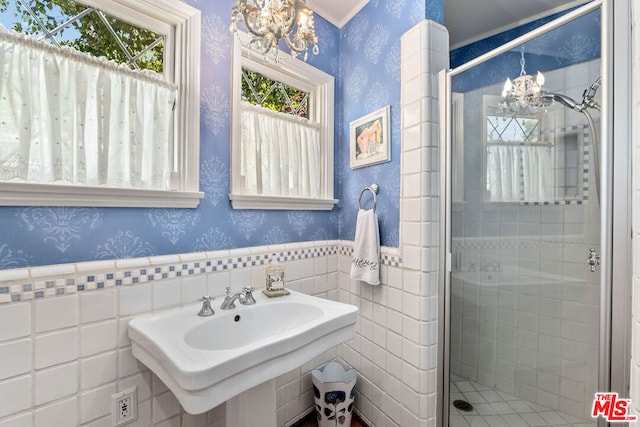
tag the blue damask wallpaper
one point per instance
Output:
(363, 57)
(370, 80)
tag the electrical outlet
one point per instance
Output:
(124, 407)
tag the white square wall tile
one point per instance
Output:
(55, 348)
(23, 420)
(54, 383)
(127, 364)
(96, 403)
(15, 320)
(15, 358)
(59, 414)
(98, 305)
(135, 299)
(218, 281)
(166, 293)
(98, 370)
(411, 43)
(97, 338)
(15, 395)
(56, 313)
(411, 138)
(194, 288)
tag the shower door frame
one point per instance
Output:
(615, 205)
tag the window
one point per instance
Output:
(530, 159)
(282, 134)
(159, 170)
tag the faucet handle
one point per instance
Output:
(228, 294)
(206, 309)
(247, 298)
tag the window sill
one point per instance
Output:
(22, 194)
(239, 201)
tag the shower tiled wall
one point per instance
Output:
(533, 332)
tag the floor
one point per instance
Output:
(497, 409)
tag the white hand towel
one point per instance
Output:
(365, 264)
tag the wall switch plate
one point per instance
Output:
(124, 407)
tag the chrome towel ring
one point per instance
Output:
(374, 190)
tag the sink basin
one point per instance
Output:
(206, 361)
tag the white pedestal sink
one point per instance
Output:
(235, 355)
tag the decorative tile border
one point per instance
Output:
(488, 243)
(48, 281)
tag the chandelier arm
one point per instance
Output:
(284, 32)
(296, 47)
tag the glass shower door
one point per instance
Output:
(523, 303)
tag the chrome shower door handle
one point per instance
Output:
(593, 260)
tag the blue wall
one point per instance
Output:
(370, 80)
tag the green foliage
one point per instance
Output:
(260, 90)
(88, 34)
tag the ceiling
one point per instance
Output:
(467, 20)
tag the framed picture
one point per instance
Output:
(370, 139)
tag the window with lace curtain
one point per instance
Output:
(97, 108)
(282, 134)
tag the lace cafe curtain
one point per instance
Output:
(280, 154)
(70, 118)
(517, 173)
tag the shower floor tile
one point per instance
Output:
(498, 409)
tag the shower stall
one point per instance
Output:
(523, 300)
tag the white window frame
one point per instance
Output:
(180, 23)
(295, 73)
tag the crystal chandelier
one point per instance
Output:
(524, 95)
(269, 21)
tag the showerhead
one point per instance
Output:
(562, 99)
(588, 100)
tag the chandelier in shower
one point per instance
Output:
(524, 94)
(269, 21)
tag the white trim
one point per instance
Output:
(239, 201)
(320, 87)
(24, 194)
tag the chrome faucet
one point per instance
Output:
(206, 309)
(245, 297)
